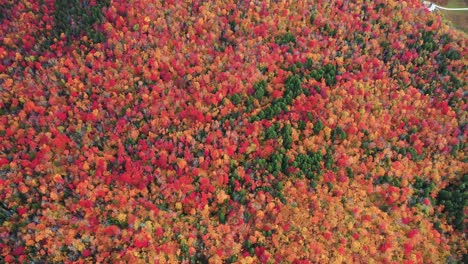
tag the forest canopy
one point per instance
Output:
(231, 132)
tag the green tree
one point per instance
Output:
(286, 133)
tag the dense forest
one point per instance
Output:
(231, 132)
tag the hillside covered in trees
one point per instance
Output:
(231, 132)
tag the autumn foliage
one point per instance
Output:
(231, 132)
